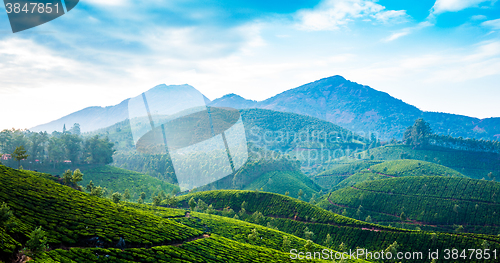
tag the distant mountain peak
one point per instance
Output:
(97, 117)
(234, 101)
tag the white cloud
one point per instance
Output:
(406, 31)
(495, 24)
(442, 6)
(332, 14)
(478, 17)
(396, 35)
(391, 16)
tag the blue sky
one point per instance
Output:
(439, 55)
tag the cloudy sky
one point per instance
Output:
(439, 55)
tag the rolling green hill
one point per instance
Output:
(282, 182)
(73, 220)
(118, 180)
(340, 171)
(430, 202)
(376, 170)
(297, 217)
(399, 168)
(475, 165)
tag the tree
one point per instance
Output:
(202, 206)
(126, 194)
(342, 247)
(37, 143)
(308, 246)
(418, 134)
(116, 197)
(7, 218)
(90, 186)
(308, 234)
(192, 203)
(286, 243)
(55, 150)
(98, 151)
(156, 200)
(77, 177)
(67, 177)
(393, 249)
(300, 193)
(328, 241)
(19, 154)
(253, 236)
(75, 129)
(37, 242)
(72, 146)
(97, 191)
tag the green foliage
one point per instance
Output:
(281, 182)
(119, 180)
(352, 233)
(69, 216)
(192, 203)
(418, 134)
(126, 194)
(46, 150)
(67, 177)
(7, 219)
(98, 151)
(37, 242)
(19, 154)
(77, 176)
(213, 249)
(413, 168)
(473, 164)
(430, 200)
(397, 168)
(116, 197)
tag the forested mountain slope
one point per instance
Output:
(361, 108)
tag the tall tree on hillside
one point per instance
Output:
(37, 144)
(98, 151)
(418, 134)
(72, 145)
(75, 129)
(55, 150)
(19, 154)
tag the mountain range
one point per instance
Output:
(348, 104)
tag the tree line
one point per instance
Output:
(68, 146)
(420, 136)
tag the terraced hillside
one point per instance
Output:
(282, 182)
(475, 165)
(428, 202)
(301, 219)
(390, 169)
(76, 223)
(118, 180)
(340, 171)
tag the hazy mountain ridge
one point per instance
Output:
(348, 104)
(363, 109)
(94, 118)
